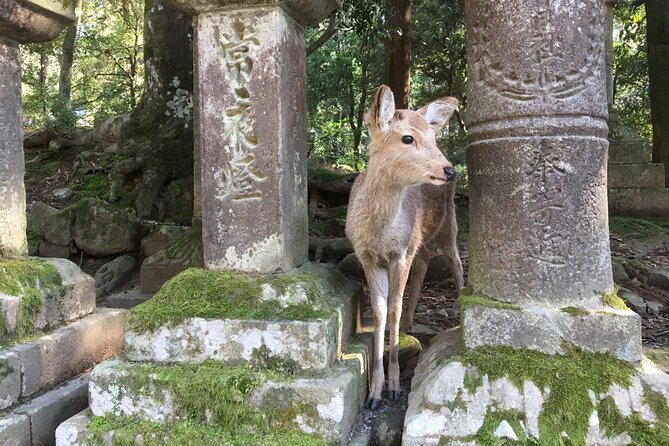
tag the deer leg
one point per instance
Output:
(398, 274)
(447, 239)
(416, 277)
(377, 278)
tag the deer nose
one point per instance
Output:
(450, 173)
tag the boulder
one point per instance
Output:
(619, 273)
(351, 267)
(37, 215)
(329, 250)
(57, 228)
(111, 275)
(160, 238)
(388, 427)
(48, 249)
(437, 269)
(102, 229)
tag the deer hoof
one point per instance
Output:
(395, 395)
(374, 403)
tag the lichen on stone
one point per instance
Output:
(613, 300)
(470, 298)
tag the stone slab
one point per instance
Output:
(10, 379)
(47, 411)
(545, 329)
(72, 432)
(309, 345)
(79, 297)
(28, 21)
(128, 299)
(156, 270)
(70, 350)
(621, 176)
(639, 202)
(14, 430)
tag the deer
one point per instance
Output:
(403, 199)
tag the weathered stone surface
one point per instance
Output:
(101, 229)
(310, 345)
(70, 350)
(47, 411)
(128, 299)
(306, 12)
(619, 273)
(626, 146)
(14, 430)
(12, 191)
(388, 427)
(633, 300)
(77, 299)
(10, 379)
(438, 269)
(537, 132)
(48, 249)
(160, 239)
(351, 267)
(113, 274)
(57, 227)
(659, 278)
(254, 186)
(36, 216)
(329, 250)
(622, 176)
(639, 202)
(539, 328)
(72, 432)
(34, 20)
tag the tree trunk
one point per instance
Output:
(657, 16)
(43, 68)
(160, 128)
(398, 50)
(67, 58)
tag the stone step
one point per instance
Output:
(34, 423)
(651, 202)
(325, 404)
(58, 305)
(329, 301)
(40, 364)
(648, 175)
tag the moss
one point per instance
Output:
(631, 227)
(473, 380)
(126, 430)
(5, 369)
(569, 377)
(468, 298)
(575, 311)
(33, 237)
(225, 295)
(613, 300)
(486, 435)
(94, 185)
(642, 433)
(30, 280)
(187, 247)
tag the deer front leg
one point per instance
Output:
(377, 278)
(417, 275)
(398, 274)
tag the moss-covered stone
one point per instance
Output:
(468, 298)
(639, 228)
(613, 300)
(575, 311)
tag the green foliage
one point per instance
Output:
(638, 228)
(94, 185)
(569, 376)
(62, 118)
(642, 432)
(225, 295)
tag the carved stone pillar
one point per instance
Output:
(610, 59)
(537, 155)
(250, 118)
(20, 22)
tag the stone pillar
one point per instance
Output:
(250, 119)
(537, 155)
(610, 59)
(12, 167)
(20, 22)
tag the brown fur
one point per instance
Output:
(400, 202)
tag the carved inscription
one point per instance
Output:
(542, 64)
(547, 175)
(237, 179)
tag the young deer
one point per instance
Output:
(402, 200)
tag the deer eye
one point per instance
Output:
(407, 139)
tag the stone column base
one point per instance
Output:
(553, 330)
(499, 394)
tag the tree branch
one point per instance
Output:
(327, 35)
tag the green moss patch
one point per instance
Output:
(30, 280)
(569, 377)
(613, 300)
(575, 311)
(206, 393)
(227, 295)
(126, 431)
(469, 298)
(639, 228)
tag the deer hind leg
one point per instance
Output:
(416, 277)
(377, 278)
(447, 238)
(398, 273)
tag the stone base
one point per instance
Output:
(639, 202)
(649, 175)
(533, 396)
(547, 329)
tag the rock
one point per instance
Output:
(102, 229)
(654, 307)
(57, 227)
(329, 250)
(388, 427)
(111, 275)
(37, 215)
(62, 194)
(33, 247)
(128, 299)
(176, 202)
(619, 273)
(659, 278)
(504, 430)
(160, 238)
(633, 300)
(409, 348)
(183, 253)
(423, 329)
(437, 269)
(14, 430)
(48, 249)
(351, 267)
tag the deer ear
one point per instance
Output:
(437, 112)
(383, 108)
